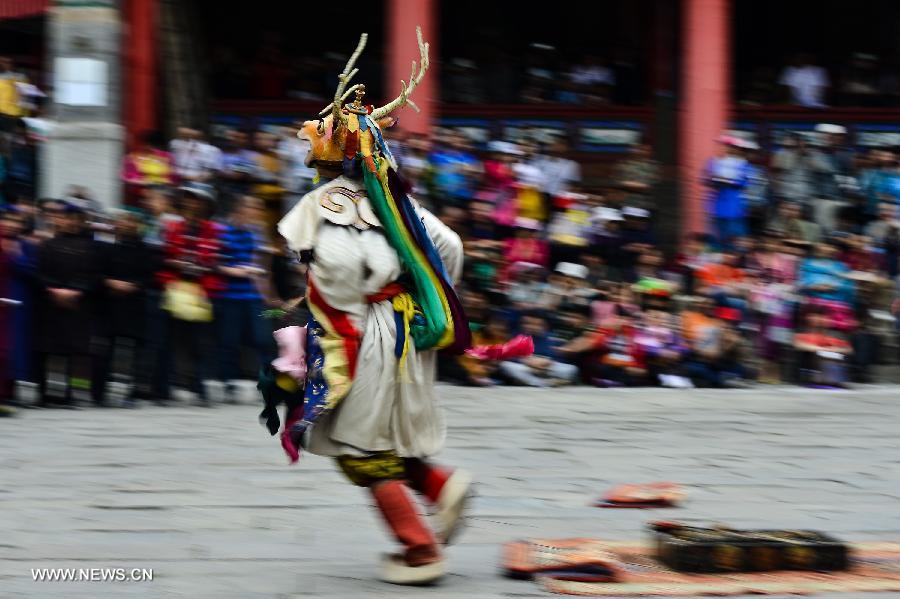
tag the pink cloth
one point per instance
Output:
(519, 346)
(291, 358)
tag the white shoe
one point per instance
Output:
(451, 505)
(396, 571)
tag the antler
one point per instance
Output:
(414, 80)
(346, 75)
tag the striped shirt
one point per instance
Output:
(238, 248)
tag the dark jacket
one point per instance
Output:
(68, 262)
(132, 261)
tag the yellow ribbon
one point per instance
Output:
(404, 306)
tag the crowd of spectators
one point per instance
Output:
(794, 281)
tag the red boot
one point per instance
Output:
(421, 561)
(449, 491)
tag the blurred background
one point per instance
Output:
(662, 192)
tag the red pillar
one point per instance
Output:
(402, 49)
(140, 67)
(706, 100)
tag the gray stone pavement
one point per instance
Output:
(204, 497)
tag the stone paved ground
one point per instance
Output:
(205, 499)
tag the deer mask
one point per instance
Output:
(340, 124)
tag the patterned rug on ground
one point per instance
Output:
(876, 567)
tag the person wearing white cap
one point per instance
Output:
(836, 181)
(726, 176)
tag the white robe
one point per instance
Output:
(353, 259)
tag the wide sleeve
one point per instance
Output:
(448, 244)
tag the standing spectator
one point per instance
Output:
(455, 170)
(296, 176)
(21, 256)
(835, 180)
(126, 267)
(193, 158)
(544, 368)
(68, 268)
(560, 173)
(795, 170)
(147, 165)
(6, 306)
(756, 193)
(239, 164)
(10, 100)
(21, 166)
(805, 82)
(268, 186)
(638, 176)
(726, 176)
(239, 305)
(190, 280)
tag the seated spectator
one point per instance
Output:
(528, 289)
(637, 236)
(568, 285)
(608, 305)
(658, 342)
(574, 335)
(622, 361)
(790, 223)
(638, 176)
(570, 230)
(527, 245)
(455, 169)
(823, 276)
(530, 181)
(481, 222)
(715, 349)
(822, 352)
(484, 372)
(544, 368)
(560, 173)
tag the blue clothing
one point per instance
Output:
(727, 178)
(239, 248)
(823, 271)
(23, 285)
(448, 172)
(239, 322)
(727, 229)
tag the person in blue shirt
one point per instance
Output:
(726, 176)
(455, 170)
(823, 276)
(238, 307)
